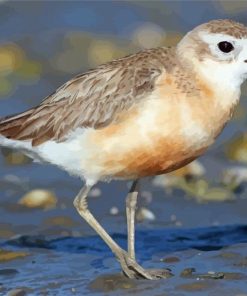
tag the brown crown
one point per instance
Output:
(228, 27)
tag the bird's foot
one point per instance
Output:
(133, 270)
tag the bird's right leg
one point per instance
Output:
(131, 201)
(129, 266)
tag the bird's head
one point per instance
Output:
(217, 49)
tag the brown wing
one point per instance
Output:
(92, 99)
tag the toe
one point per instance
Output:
(133, 270)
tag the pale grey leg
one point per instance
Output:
(80, 204)
(131, 201)
(129, 266)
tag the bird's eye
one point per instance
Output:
(225, 46)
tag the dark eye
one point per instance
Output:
(225, 46)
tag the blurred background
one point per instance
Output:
(42, 45)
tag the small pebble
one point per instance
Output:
(144, 214)
(95, 192)
(187, 272)
(196, 168)
(39, 198)
(114, 211)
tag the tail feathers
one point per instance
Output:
(10, 126)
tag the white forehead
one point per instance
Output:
(213, 38)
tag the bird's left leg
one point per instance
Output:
(131, 201)
(129, 266)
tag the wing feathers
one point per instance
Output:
(93, 99)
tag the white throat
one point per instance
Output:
(224, 80)
(224, 77)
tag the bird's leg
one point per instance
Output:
(129, 266)
(131, 201)
(80, 203)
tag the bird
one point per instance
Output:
(142, 115)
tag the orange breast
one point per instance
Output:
(156, 137)
(164, 156)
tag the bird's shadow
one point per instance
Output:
(148, 242)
